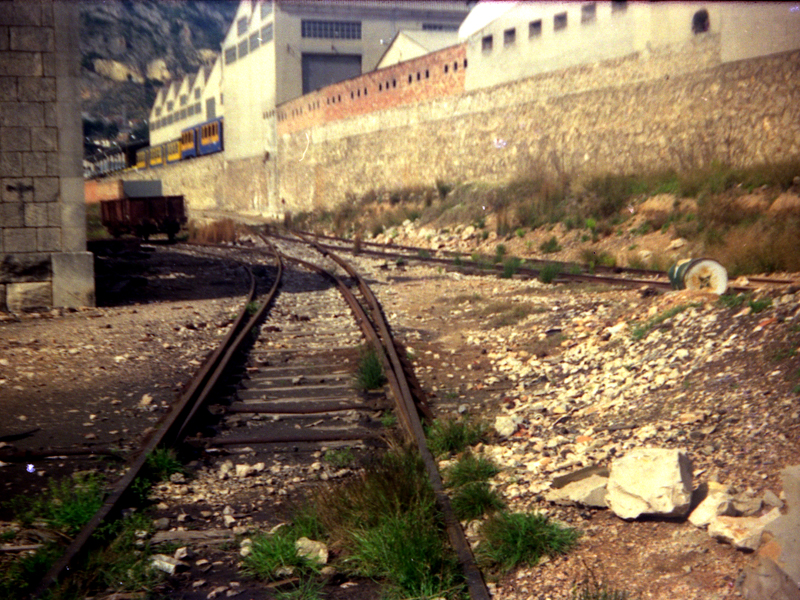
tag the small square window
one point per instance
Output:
(589, 12)
(618, 6)
(560, 21)
(486, 43)
(535, 28)
(510, 36)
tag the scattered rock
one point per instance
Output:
(590, 491)
(742, 532)
(168, 564)
(782, 536)
(506, 425)
(312, 550)
(650, 481)
(717, 502)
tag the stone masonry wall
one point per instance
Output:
(672, 108)
(43, 262)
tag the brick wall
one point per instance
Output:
(677, 107)
(435, 75)
(43, 259)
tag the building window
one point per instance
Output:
(197, 94)
(380, 87)
(446, 68)
(197, 108)
(158, 111)
(618, 6)
(241, 26)
(266, 9)
(465, 63)
(535, 28)
(182, 114)
(341, 30)
(230, 55)
(266, 34)
(427, 74)
(438, 27)
(560, 21)
(455, 67)
(255, 38)
(394, 83)
(589, 12)
(419, 76)
(410, 78)
(510, 36)
(170, 106)
(184, 99)
(243, 49)
(700, 22)
(486, 43)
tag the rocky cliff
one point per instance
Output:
(130, 48)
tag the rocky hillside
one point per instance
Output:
(129, 49)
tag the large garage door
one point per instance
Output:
(320, 70)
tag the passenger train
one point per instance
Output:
(198, 140)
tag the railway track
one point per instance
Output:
(532, 267)
(289, 390)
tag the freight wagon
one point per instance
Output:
(144, 216)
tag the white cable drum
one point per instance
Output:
(700, 275)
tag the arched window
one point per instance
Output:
(700, 22)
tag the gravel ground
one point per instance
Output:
(558, 361)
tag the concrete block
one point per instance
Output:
(73, 279)
(32, 39)
(49, 65)
(50, 115)
(29, 297)
(21, 64)
(17, 189)
(35, 214)
(20, 114)
(21, 13)
(15, 138)
(44, 139)
(19, 240)
(11, 164)
(48, 239)
(53, 164)
(37, 89)
(53, 214)
(12, 214)
(34, 164)
(45, 189)
(8, 89)
(20, 268)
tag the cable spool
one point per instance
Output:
(699, 275)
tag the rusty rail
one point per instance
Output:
(408, 412)
(170, 430)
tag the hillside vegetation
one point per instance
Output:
(748, 219)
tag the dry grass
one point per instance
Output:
(216, 232)
(765, 246)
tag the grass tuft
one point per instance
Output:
(590, 589)
(370, 375)
(475, 499)
(513, 539)
(447, 436)
(272, 556)
(549, 272)
(469, 469)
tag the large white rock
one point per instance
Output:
(650, 481)
(590, 491)
(312, 550)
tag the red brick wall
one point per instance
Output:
(434, 75)
(95, 190)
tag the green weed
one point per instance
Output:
(550, 246)
(388, 419)
(590, 589)
(273, 556)
(370, 375)
(446, 436)
(67, 505)
(475, 499)
(510, 266)
(639, 331)
(549, 272)
(340, 458)
(731, 300)
(756, 306)
(513, 539)
(470, 468)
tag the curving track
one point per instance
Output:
(289, 387)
